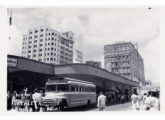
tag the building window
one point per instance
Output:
(36, 36)
(41, 40)
(52, 43)
(47, 53)
(52, 48)
(52, 38)
(34, 55)
(28, 56)
(42, 30)
(52, 33)
(40, 60)
(35, 46)
(35, 41)
(40, 50)
(51, 59)
(29, 51)
(41, 35)
(40, 54)
(62, 42)
(30, 37)
(51, 53)
(47, 59)
(36, 31)
(41, 45)
(34, 50)
(30, 32)
(30, 42)
(29, 47)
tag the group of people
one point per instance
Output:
(117, 98)
(31, 102)
(147, 101)
(24, 101)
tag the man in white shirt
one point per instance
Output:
(36, 99)
(101, 103)
(151, 102)
(135, 101)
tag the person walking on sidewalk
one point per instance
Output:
(135, 101)
(101, 102)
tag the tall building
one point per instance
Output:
(94, 63)
(77, 56)
(124, 59)
(48, 45)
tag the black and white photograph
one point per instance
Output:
(83, 59)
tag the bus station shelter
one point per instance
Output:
(23, 72)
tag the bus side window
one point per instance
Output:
(76, 88)
(73, 89)
(81, 89)
(84, 89)
(87, 89)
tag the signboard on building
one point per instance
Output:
(11, 62)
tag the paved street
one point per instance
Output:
(117, 107)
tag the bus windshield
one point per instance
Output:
(58, 88)
(51, 88)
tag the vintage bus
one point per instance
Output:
(63, 92)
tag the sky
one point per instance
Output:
(95, 27)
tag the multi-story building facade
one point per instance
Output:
(94, 63)
(77, 56)
(48, 45)
(124, 59)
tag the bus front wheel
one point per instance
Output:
(62, 105)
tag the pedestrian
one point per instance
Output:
(27, 100)
(155, 103)
(151, 102)
(13, 101)
(135, 101)
(36, 99)
(101, 103)
(144, 99)
(9, 100)
(122, 99)
(22, 101)
(140, 97)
